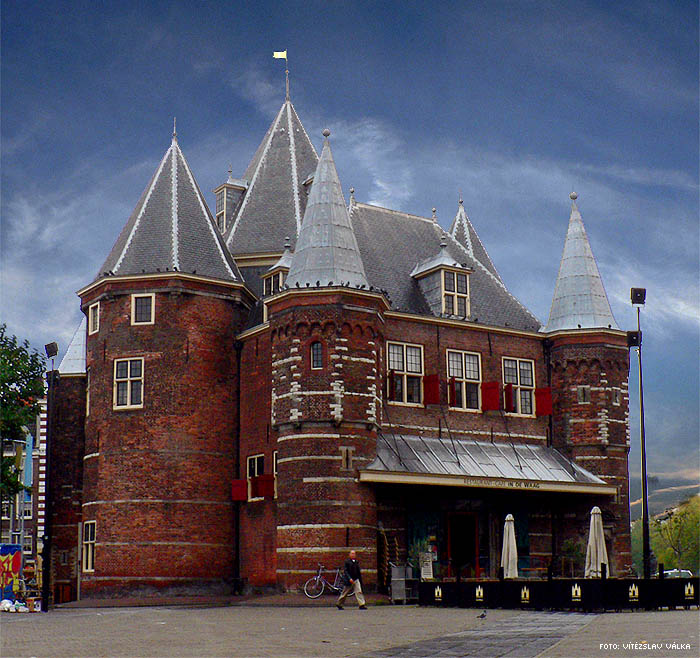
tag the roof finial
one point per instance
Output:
(443, 242)
(461, 200)
(174, 129)
(352, 195)
(573, 196)
(435, 215)
(287, 243)
(230, 173)
(326, 133)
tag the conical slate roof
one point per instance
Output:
(171, 229)
(326, 250)
(463, 231)
(579, 296)
(73, 361)
(274, 203)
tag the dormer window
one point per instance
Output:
(455, 297)
(273, 283)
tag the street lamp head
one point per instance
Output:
(51, 349)
(638, 295)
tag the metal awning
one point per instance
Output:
(462, 462)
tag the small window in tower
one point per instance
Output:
(89, 535)
(128, 383)
(219, 202)
(583, 394)
(221, 222)
(274, 468)
(64, 558)
(616, 397)
(268, 286)
(316, 356)
(346, 458)
(455, 293)
(94, 318)
(143, 308)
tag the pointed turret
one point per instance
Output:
(326, 250)
(171, 229)
(579, 299)
(463, 231)
(73, 362)
(277, 181)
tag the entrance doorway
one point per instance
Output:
(463, 544)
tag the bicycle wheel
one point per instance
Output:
(313, 587)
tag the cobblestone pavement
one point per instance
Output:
(382, 631)
(524, 635)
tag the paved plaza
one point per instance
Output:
(382, 631)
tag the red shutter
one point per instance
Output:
(452, 390)
(510, 399)
(239, 490)
(391, 388)
(490, 396)
(543, 401)
(264, 486)
(431, 390)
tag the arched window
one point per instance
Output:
(316, 356)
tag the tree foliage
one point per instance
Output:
(21, 388)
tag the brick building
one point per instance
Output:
(262, 389)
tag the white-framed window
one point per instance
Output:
(87, 391)
(274, 469)
(455, 293)
(464, 368)
(405, 365)
(6, 509)
(143, 308)
(583, 394)
(27, 505)
(28, 544)
(94, 318)
(128, 383)
(256, 466)
(89, 535)
(520, 373)
(316, 351)
(273, 283)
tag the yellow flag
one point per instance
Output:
(281, 54)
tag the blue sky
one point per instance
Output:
(512, 103)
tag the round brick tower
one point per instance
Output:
(326, 331)
(325, 405)
(161, 412)
(589, 366)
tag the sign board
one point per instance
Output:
(426, 566)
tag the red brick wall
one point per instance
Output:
(66, 445)
(595, 433)
(158, 479)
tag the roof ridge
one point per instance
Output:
(207, 217)
(308, 139)
(174, 217)
(408, 215)
(295, 177)
(134, 228)
(462, 213)
(254, 178)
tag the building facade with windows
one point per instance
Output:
(261, 390)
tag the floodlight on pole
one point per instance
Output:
(638, 298)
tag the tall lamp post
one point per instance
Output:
(51, 352)
(638, 297)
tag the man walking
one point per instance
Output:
(353, 582)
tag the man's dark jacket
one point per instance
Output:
(352, 571)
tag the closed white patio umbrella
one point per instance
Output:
(509, 556)
(596, 553)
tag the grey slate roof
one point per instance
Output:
(442, 456)
(73, 361)
(463, 231)
(171, 228)
(326, 250)
(579, 296)
(392, 243)
(274, 203)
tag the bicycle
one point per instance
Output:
(316, 585)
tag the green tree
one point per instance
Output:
(21, 388)
(676, 536)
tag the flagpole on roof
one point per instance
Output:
(282, 54)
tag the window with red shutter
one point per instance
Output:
(431, 389)
(543, 401)
(509, 401)
(239, 490)
(490, 396)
